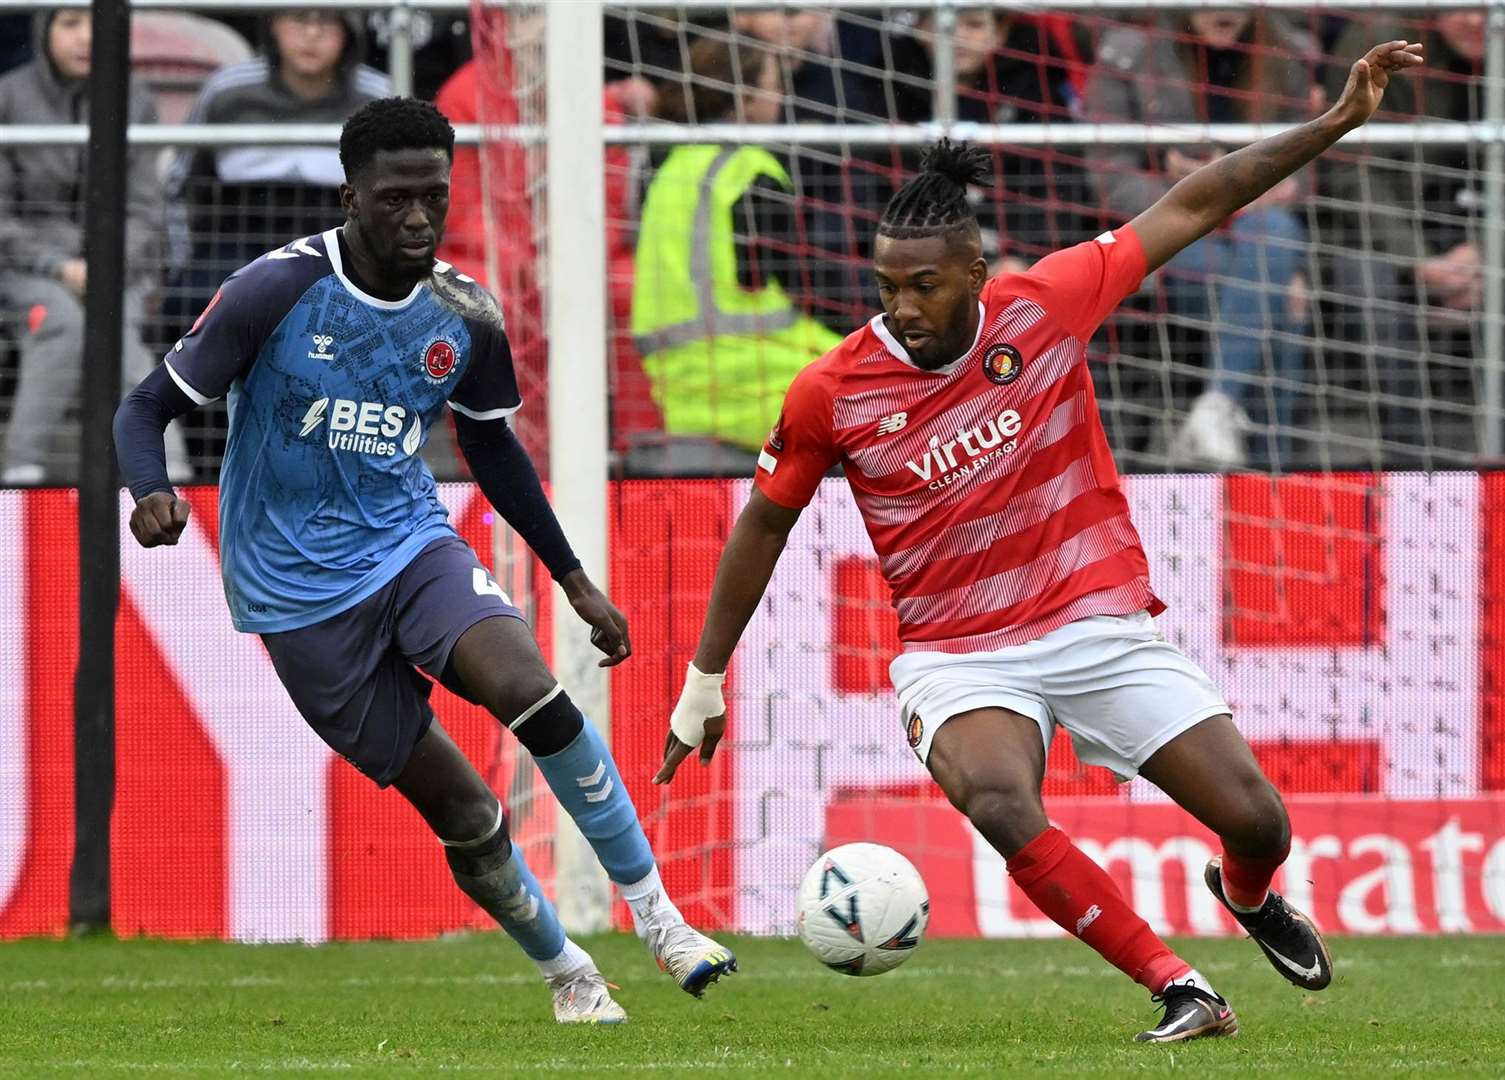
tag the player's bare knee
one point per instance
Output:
(1264, 828)
(482, 846)
(1009, 815)
(468, 818)
(519, 690)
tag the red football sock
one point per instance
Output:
(1079, 897)
(1246, 881)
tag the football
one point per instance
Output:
(863, 909)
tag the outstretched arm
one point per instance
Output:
(1206, 198)
(742, 576)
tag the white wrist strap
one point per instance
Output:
(699, 701)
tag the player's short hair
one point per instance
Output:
(394, 123)
(935, 202)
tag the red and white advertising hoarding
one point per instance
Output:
(1353, 621)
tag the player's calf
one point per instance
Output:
(580, 770)
(493, 874)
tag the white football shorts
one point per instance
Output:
(1116, 686)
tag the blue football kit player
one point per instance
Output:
(337, 354)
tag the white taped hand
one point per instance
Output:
(699, 701)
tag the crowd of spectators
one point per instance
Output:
(1334, 323)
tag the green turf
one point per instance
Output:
(472, 1006)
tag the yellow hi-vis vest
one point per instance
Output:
(719, 356)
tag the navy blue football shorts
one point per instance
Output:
(354, 677)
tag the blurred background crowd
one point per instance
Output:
(1335, 324)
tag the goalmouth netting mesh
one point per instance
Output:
(1305, 405)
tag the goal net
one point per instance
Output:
(1304, 405)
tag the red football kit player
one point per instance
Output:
(965, 421)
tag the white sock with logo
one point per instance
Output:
(571, 960)
(650, 903)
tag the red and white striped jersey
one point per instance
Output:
(987, 486)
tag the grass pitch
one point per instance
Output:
(472, 1006)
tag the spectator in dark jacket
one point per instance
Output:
(1007, 72)
(43, 276)
(1249, 279)
(1407, 226)
(231, 205)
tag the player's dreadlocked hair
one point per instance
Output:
(394, 123)
(935, 201)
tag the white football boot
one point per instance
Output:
(582, 997)
(692, 960)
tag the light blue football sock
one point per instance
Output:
(494, 874)
(526, 913)
(585, 780)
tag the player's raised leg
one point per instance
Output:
(990, 763)
(446, 789)
(1210, 771)
(499, 664)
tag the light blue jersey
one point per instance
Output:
(332, 393)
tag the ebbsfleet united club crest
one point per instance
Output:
(776, 436)
(1002, 363)
(439, 359)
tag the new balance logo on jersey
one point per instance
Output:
(363, 427)
(322, 342)
(890, 424)
(980, 445)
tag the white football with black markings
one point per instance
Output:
(863, 909)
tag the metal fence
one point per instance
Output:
(217, 229)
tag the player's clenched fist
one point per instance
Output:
(159, 519)
(698, 720)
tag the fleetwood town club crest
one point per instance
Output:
(439, 359)
(1002, 363)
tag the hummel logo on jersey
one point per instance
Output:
(363, 427)
(890, 424)
(322, 342)
(980, 444)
